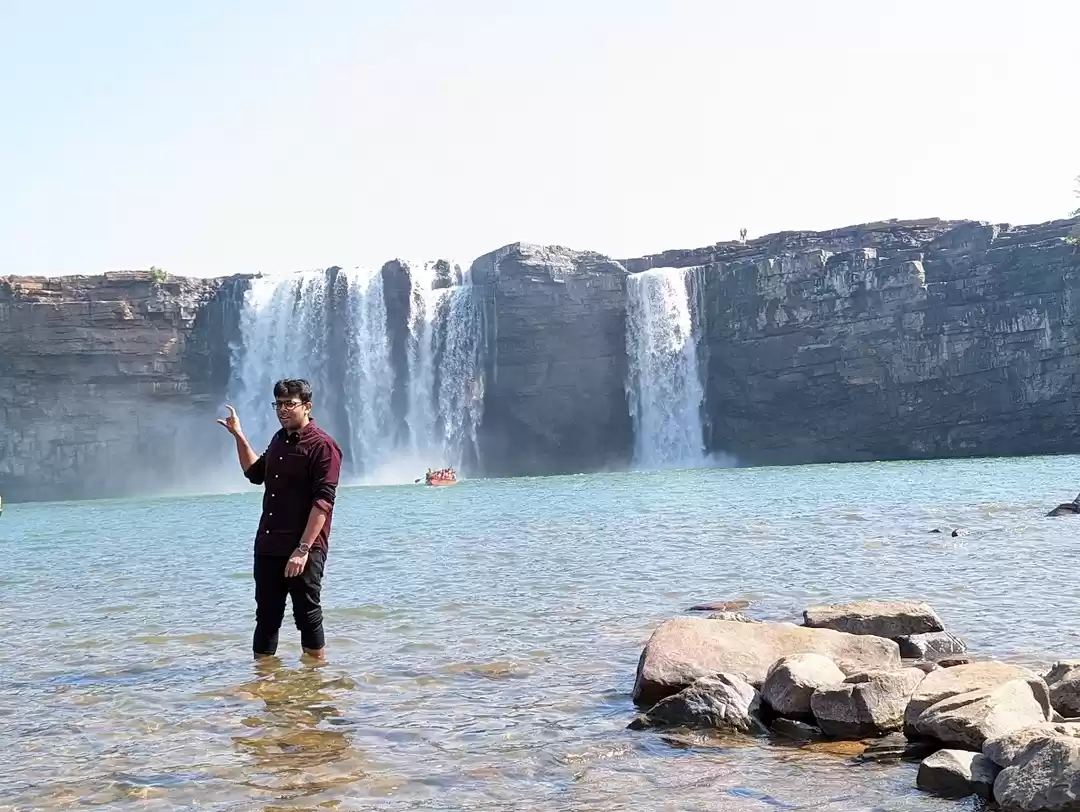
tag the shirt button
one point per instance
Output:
(268, 532)
(281, 458)
(269, 514)
(275, 476)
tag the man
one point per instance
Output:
(300, 469)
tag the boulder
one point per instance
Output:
(959, 680)
(889, 619)
(1062, 669)
(970, 719)
(1004, 750)
(1065, 509)
(957, 774)
(866, 704)
(725, 702)
(930, 646)
(1064, 683)
(791, 682)
(686, 648)
(1045, 777)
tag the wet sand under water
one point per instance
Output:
(483, 638)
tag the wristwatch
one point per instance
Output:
(304, 548)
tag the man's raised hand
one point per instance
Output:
(231, 423)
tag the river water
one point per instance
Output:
(483, 638)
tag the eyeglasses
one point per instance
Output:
(286, 405)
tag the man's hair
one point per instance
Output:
(290, 387)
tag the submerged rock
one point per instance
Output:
(1045, 777)
(867, 704)
(796, 730)
(1004, 750)
(896, 747)
(725, 702)
(957, 774)
(837, 748)
(889, 619)
(970, 719)
(720, 606)
(930, 646)
(683, 649)
(1065, 509)
(791, 682)
(959, 680)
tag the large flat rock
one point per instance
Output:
(881, 618)
(971, 719)
(961, 679)
(682, 650)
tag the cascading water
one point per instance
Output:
(283, 333)
(664, 386)
(333, 328)
(369, 378)
(424, 305)
(445, 365)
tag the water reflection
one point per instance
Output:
(299, 739)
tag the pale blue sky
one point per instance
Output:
(217, 137)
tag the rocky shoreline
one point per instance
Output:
(886, 677)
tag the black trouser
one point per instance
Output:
(271, 589)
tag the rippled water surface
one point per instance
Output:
(483, 638)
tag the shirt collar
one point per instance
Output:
(295, 436)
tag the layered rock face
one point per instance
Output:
(109, 382)
(555, 399)
(890, 341)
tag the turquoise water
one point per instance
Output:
(483, 638)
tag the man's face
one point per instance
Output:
(291, 413)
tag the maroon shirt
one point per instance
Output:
(300, 469)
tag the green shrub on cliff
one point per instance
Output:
(157, 275)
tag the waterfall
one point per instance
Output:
(334, 329)
(664, 387)
(445, 365)
(369, 378)
(283, 334)
(424, 305)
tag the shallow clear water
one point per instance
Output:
(483, 638)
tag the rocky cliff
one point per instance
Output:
(891, 341)
(555, 361)
(881, 341)
(109, 382)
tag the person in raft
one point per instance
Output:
(300, 470)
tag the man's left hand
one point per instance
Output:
(297, 562)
